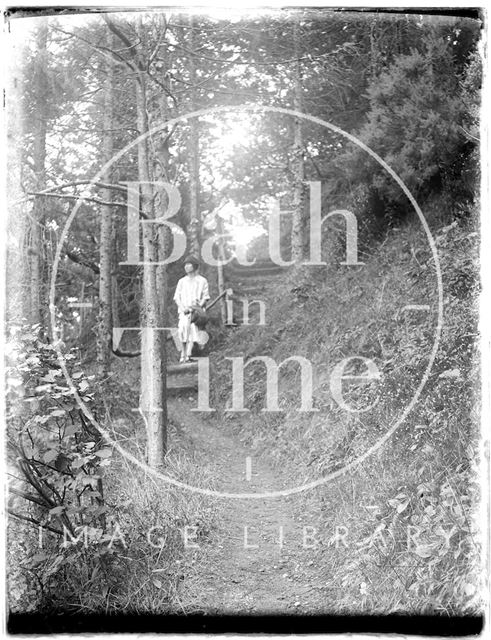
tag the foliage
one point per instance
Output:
(89, 548)
(414, 124)
(57, 458)
(425, 476)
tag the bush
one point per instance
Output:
(74, 545)
(419, 108)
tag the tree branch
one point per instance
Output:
(82, 261)
(162, 86)
(468, 134)
(28, 496)
(117, 31)
(157, 46)
(99, 48)
(252, 63)
(65, 196)
(36, 522)
(77, 183)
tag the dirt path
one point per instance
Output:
(258, 560)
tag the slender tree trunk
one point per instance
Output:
(153, 401)
(17, 286)
(161, 276)
(373, 69)
(114, 302)
(115, 319)
(153, 392)
(35, 264)
(37, 288)
(162, 290)
(105, 277)
(164, 238)
(298, 166)
(220, 271)
(194, 213)
(162, 172)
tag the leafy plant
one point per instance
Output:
(56, 458)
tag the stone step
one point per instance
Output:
(259, 283)
(239, 323)
(260, 264)
(181, 384)
(179, 369)
(186, 390)
(241, 290)
(252, 272)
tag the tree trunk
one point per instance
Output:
(220, 271)
(162, 288)
(36, 287)
(104, 328)
(17, 307)
(115, 302)
(162, 172)
(164, 239)
(298, 163)
(153, 391)
(194, 186)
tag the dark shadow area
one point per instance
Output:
(409, 625)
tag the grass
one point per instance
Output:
(138, 565)
(424, 480)
(425, 476)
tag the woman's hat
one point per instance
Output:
(192, 260)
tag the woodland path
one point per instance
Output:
(223, 576)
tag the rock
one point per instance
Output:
(450, 373)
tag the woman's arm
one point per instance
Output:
(205, 295)
(177, 298)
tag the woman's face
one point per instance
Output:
(189, 268)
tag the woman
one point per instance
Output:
(191, 291)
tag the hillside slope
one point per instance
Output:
(408, 511)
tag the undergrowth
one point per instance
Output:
(404, 527)
(136, 566)
(136, 562)
(410, 508)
